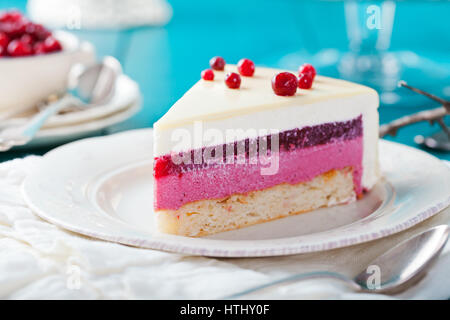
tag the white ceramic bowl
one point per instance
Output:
(24, 81)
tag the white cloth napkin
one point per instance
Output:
(41, 261)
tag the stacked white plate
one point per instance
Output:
(74, 125)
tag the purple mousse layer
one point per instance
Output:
(288, 140)
(304, 153)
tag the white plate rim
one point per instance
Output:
(65, 134)
(95, 124)
(195, 246)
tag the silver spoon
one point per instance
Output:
(87, 87)
(399, 267)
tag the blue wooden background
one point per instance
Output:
(167, 60)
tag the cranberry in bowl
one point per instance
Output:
(34, 61)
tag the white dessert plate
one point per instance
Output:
(102, 188)
(74, 125)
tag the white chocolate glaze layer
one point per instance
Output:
(212, 100)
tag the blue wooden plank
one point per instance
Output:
(166, 61)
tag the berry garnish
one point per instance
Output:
(305, 81)
(21, 37)
(161, 167)
(37, 31)
(246, 67)
(233, 80)
(208, 75)
(26, 38)
(13, 29)
(4, 40)
(51, 44)
(284, 84)
(217, 63)
(11, 16)
(39, 48)
(17, 48)
(307, 69)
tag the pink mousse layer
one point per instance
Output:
(298, 165)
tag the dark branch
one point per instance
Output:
(433, 115)
(444, 103)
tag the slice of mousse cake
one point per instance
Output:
(248, 145)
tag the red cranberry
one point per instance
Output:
(4, 40)
(2, 51)
(305, 81)
(13, 29)
(21, 37)
(307, 68)
(11, 16)
(39, 47)
(26, 38)
(38, 31)
(17, 48)
(51, 44)
(246, 67)
(217, 63)
(233, 80)
(161, 167)
(284, 84)
(208, 75)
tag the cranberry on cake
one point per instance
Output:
(230, 157)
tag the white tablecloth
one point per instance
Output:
(41, 261)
